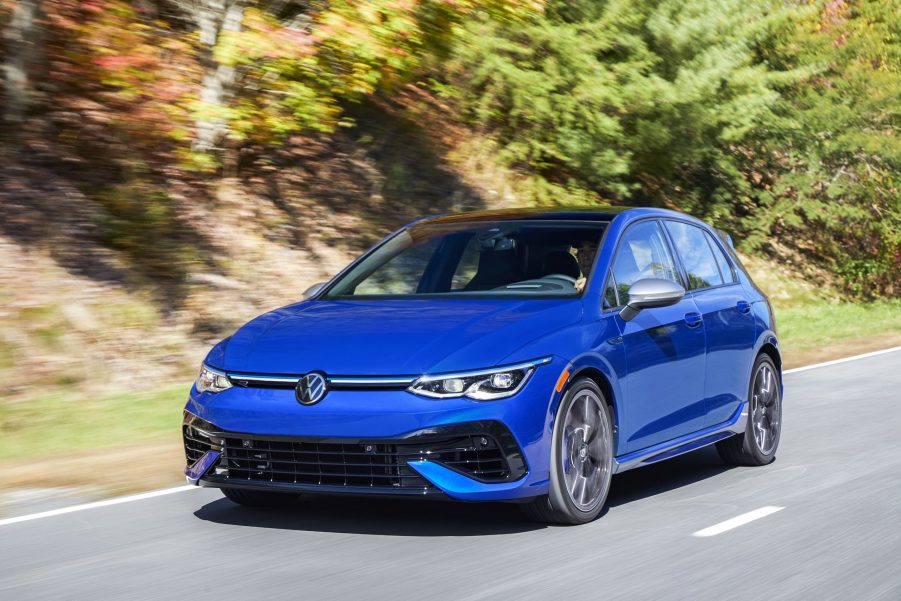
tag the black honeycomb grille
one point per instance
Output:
(345, 463)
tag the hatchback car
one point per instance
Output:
(515, 355)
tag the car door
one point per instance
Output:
(664, 347)
(726, 312)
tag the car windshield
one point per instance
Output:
(505, 258)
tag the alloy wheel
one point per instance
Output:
(766, 409)
(586, 451)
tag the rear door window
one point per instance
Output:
(697, 257)
(722, 262)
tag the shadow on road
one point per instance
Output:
(386, 517)
(401, 517)
(665, 476)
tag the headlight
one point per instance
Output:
(210, 380)
(483, 385)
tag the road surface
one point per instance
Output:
(837, 479)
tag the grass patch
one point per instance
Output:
(819, 322)
(813, 318)
(65, 423)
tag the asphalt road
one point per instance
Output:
(837, 476)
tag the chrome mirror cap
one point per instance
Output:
(650, 293)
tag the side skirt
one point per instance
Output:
(671, 448)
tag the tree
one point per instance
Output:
(22, 37)
(214, 18)
(835, 153)
(298, 68)
(645, 101)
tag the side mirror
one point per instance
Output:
(313, 290)
(650, 293)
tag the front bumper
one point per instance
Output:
(478, 452)
(418, 446)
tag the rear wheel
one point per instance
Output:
(259, 498)
(757, 446)
(581, 459)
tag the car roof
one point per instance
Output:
(582, 213)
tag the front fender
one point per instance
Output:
(605, 357)
(767, 338)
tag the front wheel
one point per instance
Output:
(757, 446)
(581, 459)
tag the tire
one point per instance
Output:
(259, 498)
(758, 444)
(579, 463)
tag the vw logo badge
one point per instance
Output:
(311, 388)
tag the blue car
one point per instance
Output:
(519, 355)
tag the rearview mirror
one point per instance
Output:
(314, 290)
(649, 293)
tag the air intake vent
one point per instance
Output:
(355, 463)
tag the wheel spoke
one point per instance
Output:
(593, 482)
(758, 416)
(592, 425)
(578, 487)
(584, 491)
(571, 475)
(597, 448)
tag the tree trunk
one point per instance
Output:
(22, 41)
(214, 17)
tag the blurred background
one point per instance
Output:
(170, 169)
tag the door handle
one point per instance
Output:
(693, 319)
(743, 306)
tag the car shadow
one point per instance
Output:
(375, 515)
(665, 476)
(403, 517)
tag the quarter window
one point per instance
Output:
(697, 258)
(610, 299)
(643, 253)
(721, 260)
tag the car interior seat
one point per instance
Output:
(561, 262)
(496, 268)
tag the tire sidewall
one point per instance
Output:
(557, 494)
(750, 443)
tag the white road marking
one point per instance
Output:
(737, 521)
(95, 504)
(845, 360)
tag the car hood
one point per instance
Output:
(391, 337)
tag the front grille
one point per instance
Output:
(349, 463)
(322, 463)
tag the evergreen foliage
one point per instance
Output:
(777, 121)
